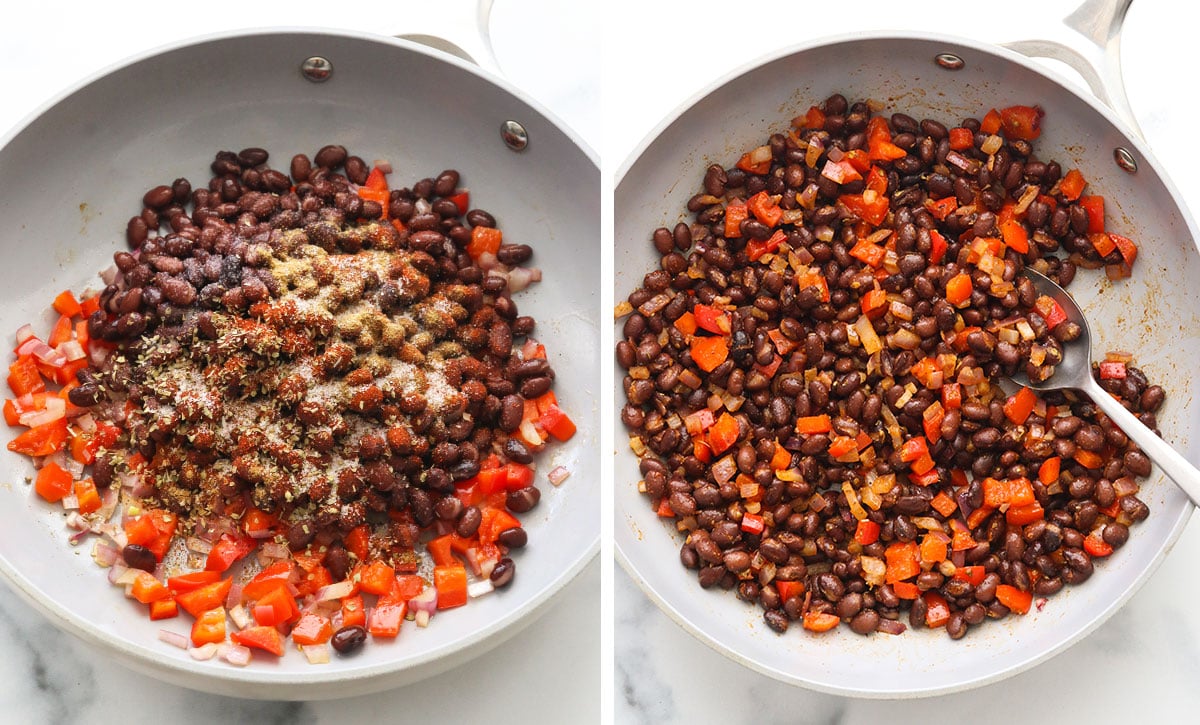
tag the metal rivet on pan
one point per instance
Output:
(316, 69)
(1125, 159)
(949, 61)
(515, 136)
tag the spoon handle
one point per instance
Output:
(1172, 463)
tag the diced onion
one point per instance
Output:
(426, 601)
(316, 654)
(72, 350)
(480, 588)
(340, 590)
(173, 638)
(236, 655)
(204, 652)
(24, 332)
(240, 616)
(105, 555)
(558, 474)
(421, 618)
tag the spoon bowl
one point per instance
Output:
(1075, 371)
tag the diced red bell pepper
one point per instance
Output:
(153, 529)
(493, 522)
(937, 609)
(1021, 123)
(1095, 545)
(376, 578)
(484, 240)
(1015, 236)
(866, 532)
(462, 200)
(209, 626)
(275, 576)
(1050, 310)
(913, 449)
(353, 611)
(991, 122)
(961, 138)
(1027, 514)
(868, 206)
(951, 396)
(789, 589)
(903, 561)
(42, 440)
(451, 584)
(905, 590)
(358, 542)
(753, 524)
(765, 208)
(712, 319)
(66, 304)
(811, 424)
(265, 638)
(940, 209)
(202, 599)
(959, 289)
(869, 254)
(312, 628)
(24, 378)
(228, 550)
(820, 621)
(53, 482)
(1018, 407)
(1016, 600)
(147, 588)
(686, 323)
(1049, 470)
(517, 476)
(1112, 370)
(709, 352)
(87, 496)
(723, 433)
(974, 574)
(557, 423)
(276, 607)
(1094, 206)
(1072, 184)
(748, 163)
(387, 618)
(164, 609)
(376, 180)
(192, 581)
(1126, 246)
(735, 214)
(944, 504)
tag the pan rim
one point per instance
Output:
(1182, 516)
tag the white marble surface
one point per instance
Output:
(1141, 663)
(47, 676)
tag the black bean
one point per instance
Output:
(349, 640)
(523, 499)
(502, 573)
(139, 557)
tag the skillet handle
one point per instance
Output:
(457, 27)
(1089, 41)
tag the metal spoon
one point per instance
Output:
(1075, 371)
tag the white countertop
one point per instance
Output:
(1144, 660)
(47, 676)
